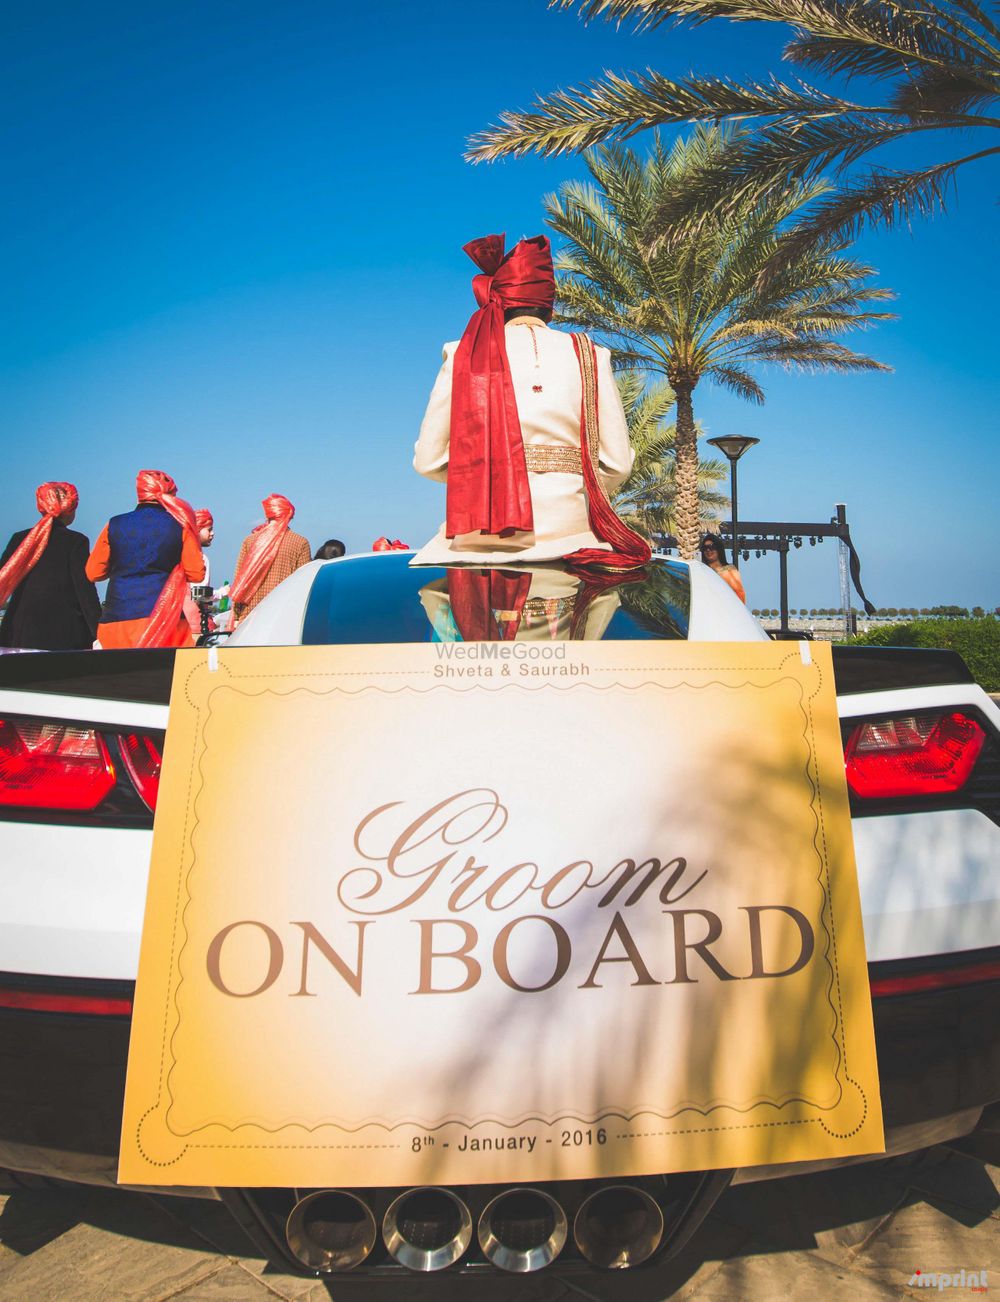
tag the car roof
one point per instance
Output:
(381, 597)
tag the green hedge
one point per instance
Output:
(977, 641)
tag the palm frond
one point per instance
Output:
(788, 150)
(739, 381)
(881, 198)
(616, 107)
(939, 58)
(878, 28)
(820, 355)
(948, 93)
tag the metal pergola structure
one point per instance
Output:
(782, 535)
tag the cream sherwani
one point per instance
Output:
(550, 423)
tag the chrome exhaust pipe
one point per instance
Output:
(427, 1228)
(330, 1230)
(618, 1226)
(522, 1230)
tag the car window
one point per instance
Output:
(383, 599)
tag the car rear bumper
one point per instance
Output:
(62, 1075)
(62, 1082)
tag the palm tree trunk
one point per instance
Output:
(686, 474)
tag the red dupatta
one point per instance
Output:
(487, 474)
(478, 597)
(629, 550)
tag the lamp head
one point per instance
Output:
(733, 445)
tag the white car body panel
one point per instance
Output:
(930, 883)
(717, 614)
(277, 621)
(72, 899)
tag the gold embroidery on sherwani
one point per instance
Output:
(541, 460)
(588, 378)
(548, 606)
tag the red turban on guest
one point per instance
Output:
(54, 501)
(204, 519)
(157, 486)
(487, 475)
(278, 512)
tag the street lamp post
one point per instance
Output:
(732, 446)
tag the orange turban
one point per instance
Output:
(278, 512)
(54, 500)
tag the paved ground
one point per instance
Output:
(858, 1233)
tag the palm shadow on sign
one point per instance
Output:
(615, 1051)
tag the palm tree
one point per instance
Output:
(690, 303)
(938, 61)
(646, 501)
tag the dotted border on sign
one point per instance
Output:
(823, 880)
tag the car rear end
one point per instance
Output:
(922, 749)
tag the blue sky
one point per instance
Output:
(232, 249)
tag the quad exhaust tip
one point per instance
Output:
(331, 1230)
(618, 1226)
(427, 1228)
(522, 1230)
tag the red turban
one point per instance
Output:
(262, 551)
(487, 475)
(204, 519)
(54, 500)
(157, 486)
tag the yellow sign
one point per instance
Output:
(470, 912)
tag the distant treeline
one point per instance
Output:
(890, 612)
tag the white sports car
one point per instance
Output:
(81, 735)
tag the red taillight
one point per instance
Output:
(44, 1001)
(46, 765)
(947, 978)
(142, 761)
(931, 753)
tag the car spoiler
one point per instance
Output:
(884, 668)
(145, 676)
(141, 676)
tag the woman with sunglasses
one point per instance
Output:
(713, 554)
